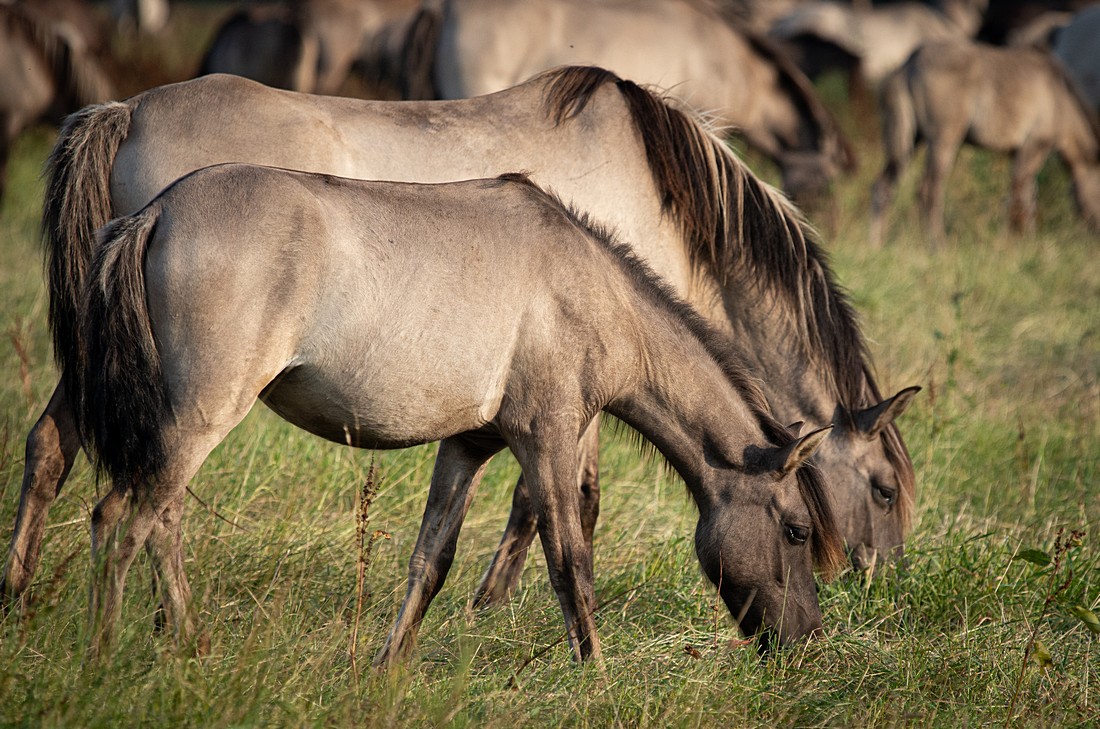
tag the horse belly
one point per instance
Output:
(385, 403)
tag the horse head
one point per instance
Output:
(760, 539)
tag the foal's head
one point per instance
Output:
(759, 540)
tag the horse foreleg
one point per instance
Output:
(503, 575)
(940, 160)
(556, 502)
(52, 446)
(1025, 168)
(459, 466)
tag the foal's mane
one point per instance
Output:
(748, 236)
(827, 544)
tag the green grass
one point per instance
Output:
(1002, 332)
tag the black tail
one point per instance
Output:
(122, 400)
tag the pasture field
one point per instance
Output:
(977, 628)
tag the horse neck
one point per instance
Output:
(795, 384)
(684, 403)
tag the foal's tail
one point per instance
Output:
(78, 201)
(122, 399)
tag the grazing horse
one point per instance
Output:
(726, 242)
(348, 309)
(306, 45)
(1016, 100)
(877, 39)
(46, 71)
(738, 81)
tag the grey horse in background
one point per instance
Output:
(347, 308)
(1015, 100)
(739, 82)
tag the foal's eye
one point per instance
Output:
(796, 535)
(884, 494)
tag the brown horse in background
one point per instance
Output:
(303, 45)
(1016, 100)
(47, 68)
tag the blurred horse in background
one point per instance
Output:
(876, 40)
(48, 67)
(305, 45)
(1077, 46)
(739, 82)
(1016, 100)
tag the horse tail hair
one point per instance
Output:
(899, 118)
(77, 202)
(122, 399)
(417, 72)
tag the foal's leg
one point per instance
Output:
(550, 465)
(503, 575)
(52, 446)
(1025, 168)
(940, 160)
(882, 197)
(459, 466)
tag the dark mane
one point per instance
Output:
(827, 544)
(749, 237)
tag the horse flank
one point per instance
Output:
(748, 236)
(828, 550)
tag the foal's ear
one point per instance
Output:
(794, 454)
(795, 428)
(871, 421)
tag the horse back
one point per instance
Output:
(290, 285)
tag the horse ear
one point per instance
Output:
(794, 454)
(795, 428)
(871, 421)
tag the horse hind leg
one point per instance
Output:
(149, 514)
(459, 467)
(503, 575)
(52, 447)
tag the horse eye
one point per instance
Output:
(796, 535)
(885, 494)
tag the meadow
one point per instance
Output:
(990, 621)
